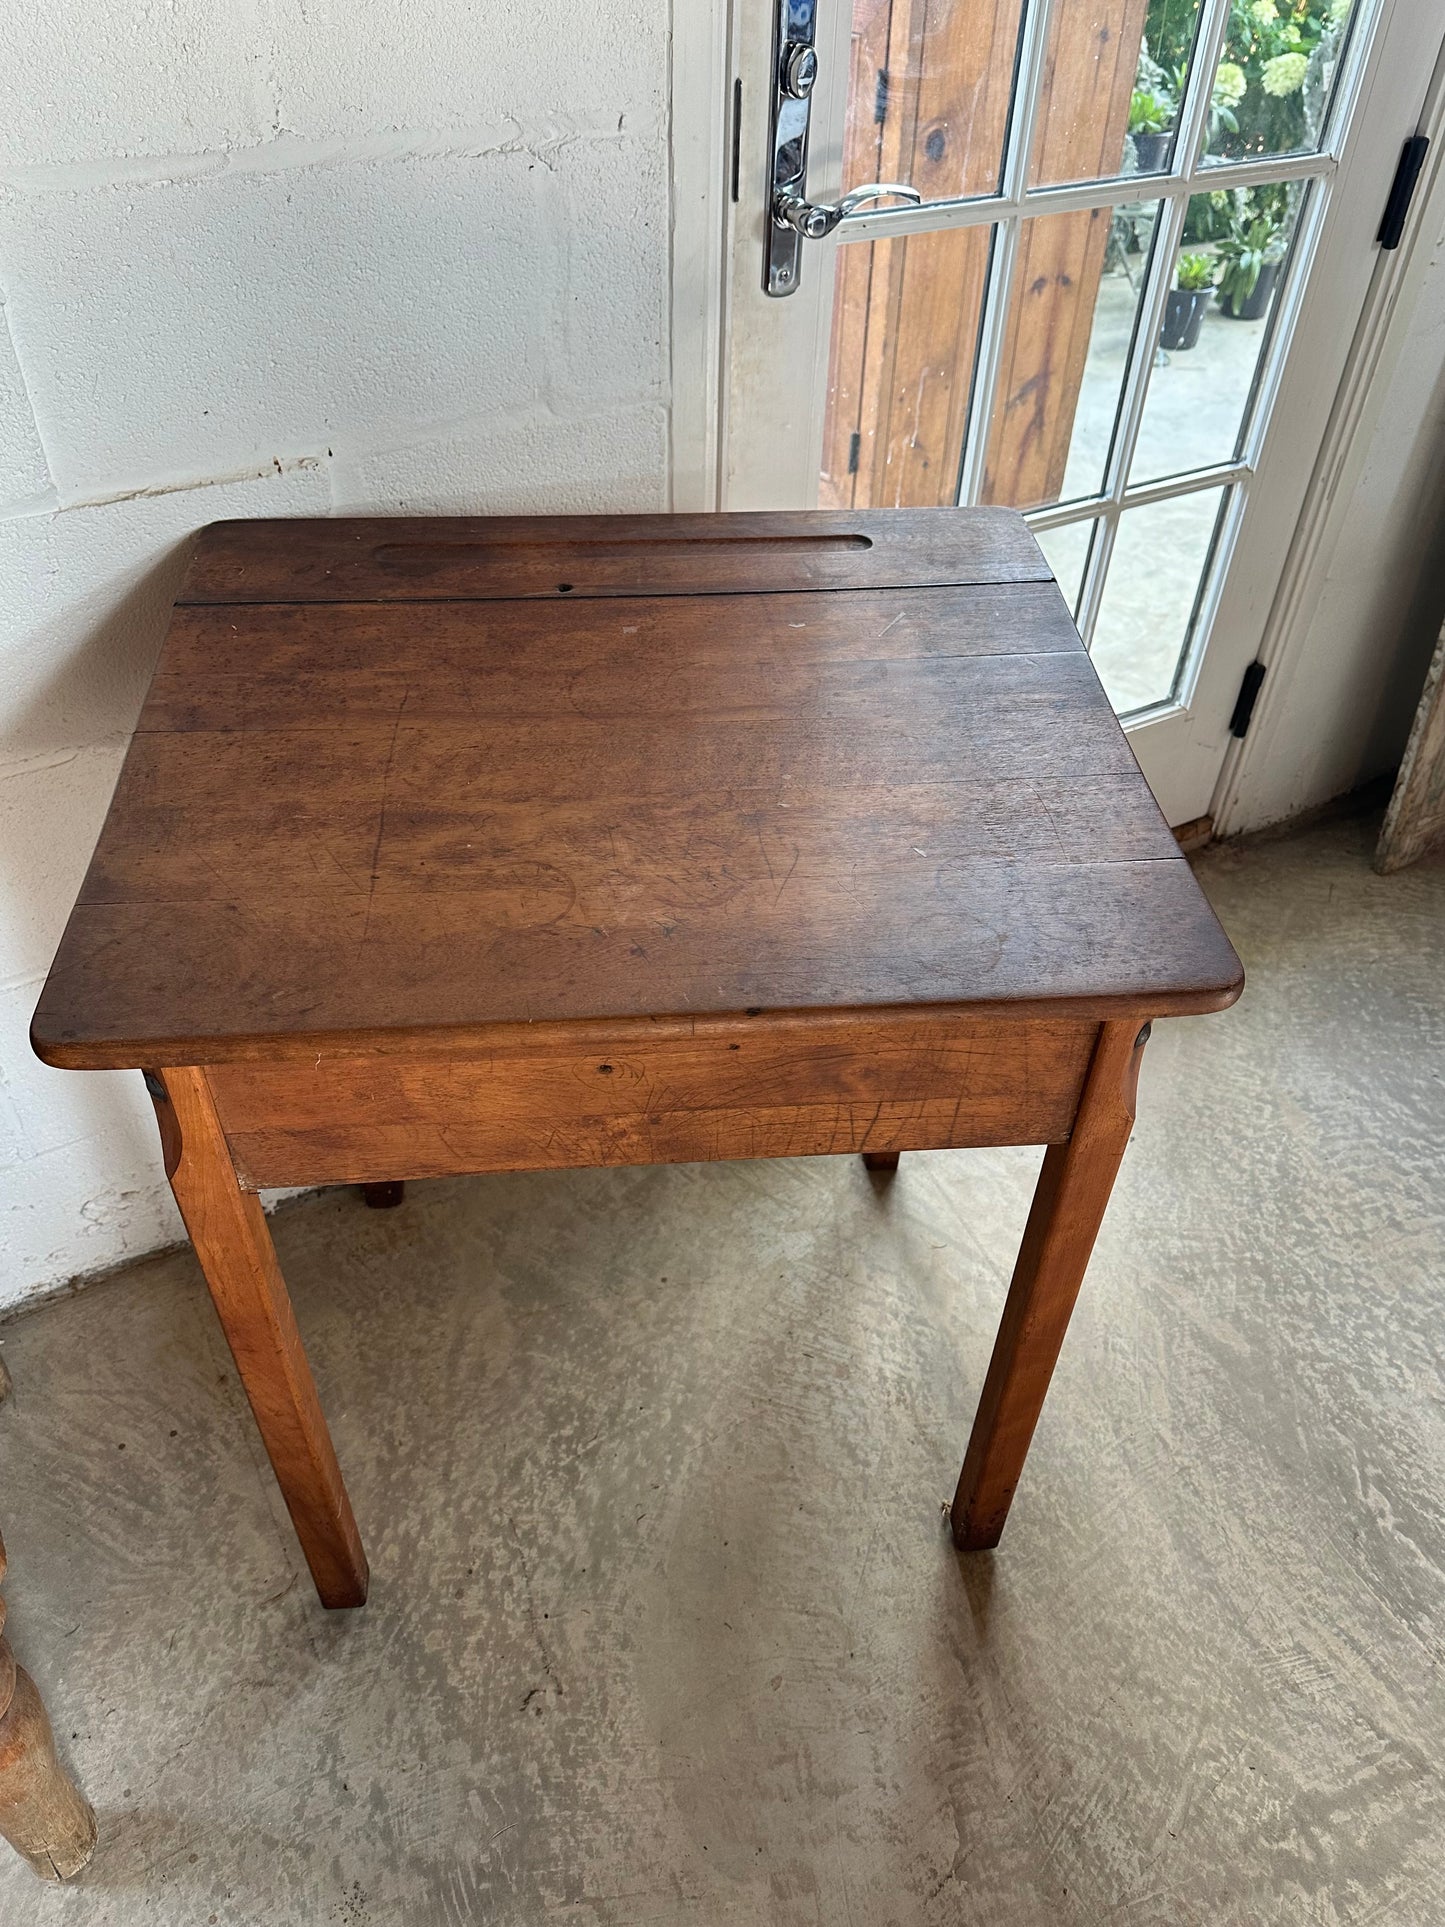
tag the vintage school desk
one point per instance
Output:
(479, 845)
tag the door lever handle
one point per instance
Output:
(789, 217)
(814, 219)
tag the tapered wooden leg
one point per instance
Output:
(881, 1160)
(228, 1230)
(1068, 1208)
(41, 1812)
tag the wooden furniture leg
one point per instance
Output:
(881, 1160)
(1068, 1208)
(228, 1230)
(384, 1195)
(41, 1812)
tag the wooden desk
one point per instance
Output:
(480, 845)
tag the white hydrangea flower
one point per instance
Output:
(1229, 84)
(1284, 74)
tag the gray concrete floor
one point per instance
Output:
(665, 1624)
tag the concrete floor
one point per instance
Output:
(665, 1624)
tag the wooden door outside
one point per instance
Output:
(929, 105)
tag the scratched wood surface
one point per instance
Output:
(786, 1088)
(419, 559)
(367, 801)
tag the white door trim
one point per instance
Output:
(1374, 352)
(700, 134)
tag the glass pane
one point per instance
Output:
(1076, 288)
(905, 337)
(1066, 550)
(1155, 573)
(929, 96)
(1275, 77)
(1217, 320)
(1112, 81)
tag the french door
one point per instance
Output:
(1138, 240)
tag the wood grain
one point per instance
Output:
(42, 1813)
(228, 1230)
(902, 370)
(343, 822)
(906, 317)
(1068, 1208)
(480, 558)
(1087, 86)
(783, 1090)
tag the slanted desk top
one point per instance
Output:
(400, 780)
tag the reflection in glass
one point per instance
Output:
(905, 335)
(1214, 335)
(1112, 83)
(929, 94)
(1066, 550)
(1077, 283)
(1155, 574)
(1275, 77)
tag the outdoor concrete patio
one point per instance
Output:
(1191, 420)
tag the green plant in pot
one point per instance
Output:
(1250, 255)
(1187, 300)
(1151, 118)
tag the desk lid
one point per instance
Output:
(466, 798)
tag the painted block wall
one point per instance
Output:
(276, 257)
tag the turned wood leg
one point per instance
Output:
(1067, 1210)
(881, 1160)
(228, 1230)
(41, 1812)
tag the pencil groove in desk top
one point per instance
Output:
(348, 819)
(505, 557)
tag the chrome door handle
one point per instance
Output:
(791, 218)
(814, 219)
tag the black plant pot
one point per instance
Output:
(1257, 302)
(1151, 151)
(1183, 317)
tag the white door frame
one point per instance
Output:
(730, 340)
(1352, 419)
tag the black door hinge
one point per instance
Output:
(1244, 702)
(1402, 190)
(880, 97)
(855, 442)
(737, 159)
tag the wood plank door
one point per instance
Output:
(1145, 238)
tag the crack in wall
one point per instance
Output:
(288, 152)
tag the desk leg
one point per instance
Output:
(228, 1230)
(41, 1812)
(1068, 1208)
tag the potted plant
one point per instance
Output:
(1150, 117)
(1186, 301)
(1250, 255)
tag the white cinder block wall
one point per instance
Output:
(276, 257)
